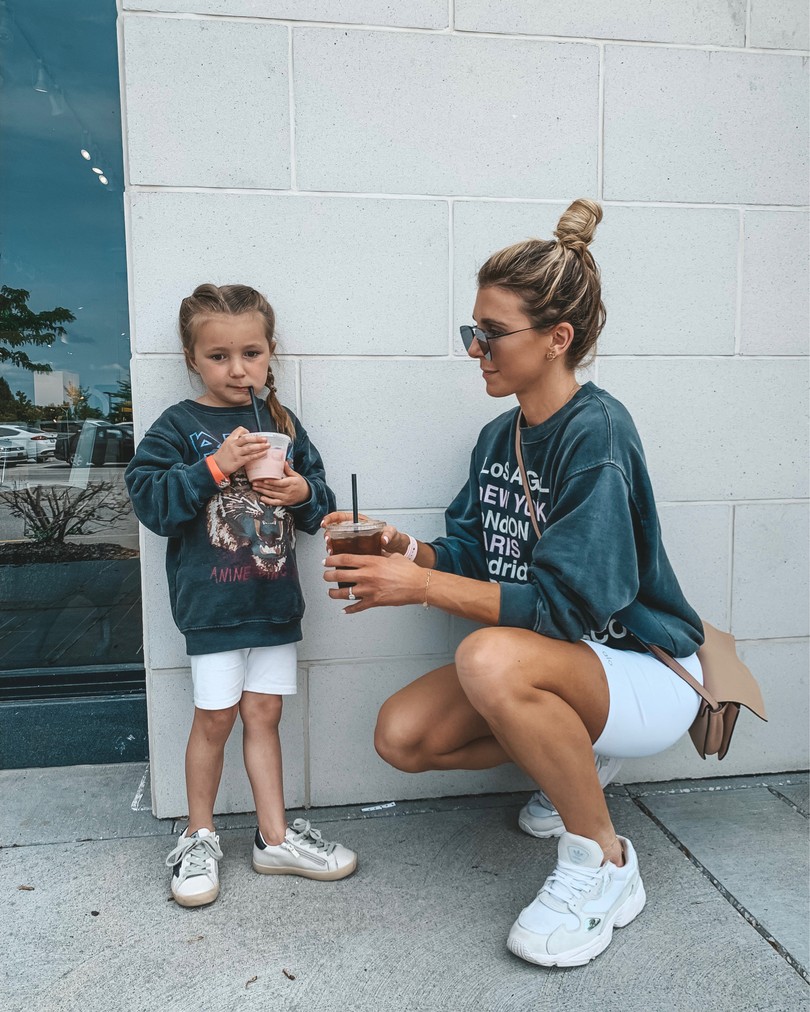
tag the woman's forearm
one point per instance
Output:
(474, 599)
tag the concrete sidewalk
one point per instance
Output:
(86, 924)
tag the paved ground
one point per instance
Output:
(86, 923)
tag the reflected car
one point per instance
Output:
(11, 453)
(38, 445)
(97, 443)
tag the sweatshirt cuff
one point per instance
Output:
(518, 606)
(200, 480)
(444, 561)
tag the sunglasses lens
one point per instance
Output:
(467, 335)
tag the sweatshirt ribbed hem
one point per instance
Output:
(241, 637)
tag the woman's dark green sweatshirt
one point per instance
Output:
(600, 568)
(230, 560)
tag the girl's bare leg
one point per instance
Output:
(210, 730)
(261, 714)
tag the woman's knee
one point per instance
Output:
(493, 670)
(399, 740)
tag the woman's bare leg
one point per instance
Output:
(538, 701)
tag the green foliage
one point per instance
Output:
(121, 402)
(20, 326)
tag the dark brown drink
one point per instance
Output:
(361, 538)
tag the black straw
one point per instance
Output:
(354, 498)
(253, 400)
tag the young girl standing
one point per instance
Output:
(233, 579)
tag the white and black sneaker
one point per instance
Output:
(195, 871)
(572, 918)
(303, 852)
(540, 818)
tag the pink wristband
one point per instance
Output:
(412, 549)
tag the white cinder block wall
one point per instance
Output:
(357, 161)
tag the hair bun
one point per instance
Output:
(577, 225)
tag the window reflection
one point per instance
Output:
(69, 572)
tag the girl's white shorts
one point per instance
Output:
(220, 679)
(650, 706)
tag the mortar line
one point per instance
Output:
(291, 99)
(600, 128)
(738, 315)
(727, 896)
(451, 292)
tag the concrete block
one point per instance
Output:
(391, 417)
(329, 634)
(717, 22)
(703, 434)
(770, 596)
(669, 277)
(775, 892)
(345, 276)
(344, 768)
(171, 709)
(698, 542)
(425, 124)
(405, 13)
(775, 283)
(217, 117)
(781, 668)
(699, 126)
(779, 24)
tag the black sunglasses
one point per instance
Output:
(468, 334)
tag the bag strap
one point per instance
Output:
(523, 478)
(657, 652)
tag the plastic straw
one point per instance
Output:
(255, 409)
(354, 499)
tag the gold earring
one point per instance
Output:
(551, 355)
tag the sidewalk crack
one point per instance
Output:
(727, 896)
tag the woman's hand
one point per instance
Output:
(392, 539)
(290, 490)
(240, 448)
(378, 580)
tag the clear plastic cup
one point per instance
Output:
(361, 538)
(271, 465)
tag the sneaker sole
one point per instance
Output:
(520, 941)
(198, 900)
(321, 876)
(541, 834)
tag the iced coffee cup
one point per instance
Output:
(271, 465)
(361, 538)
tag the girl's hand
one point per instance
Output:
(291, 490)
(240, 448)
(378, 580)
(392, 540)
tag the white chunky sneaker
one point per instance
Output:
(303, 852)
(573, 916)
(195, 872)
(540, 818)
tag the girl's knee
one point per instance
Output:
(216, 723)
(260, 710)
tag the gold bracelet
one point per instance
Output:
(427, 585)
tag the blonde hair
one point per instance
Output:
(234, 300)
(558, 280)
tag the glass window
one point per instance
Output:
(71, 613)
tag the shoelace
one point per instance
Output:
(309, 837)
(568, 884)
(198, 850)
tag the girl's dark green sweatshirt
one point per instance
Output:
(600, 568)
(230, 560)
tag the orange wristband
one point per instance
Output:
(221, 479)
